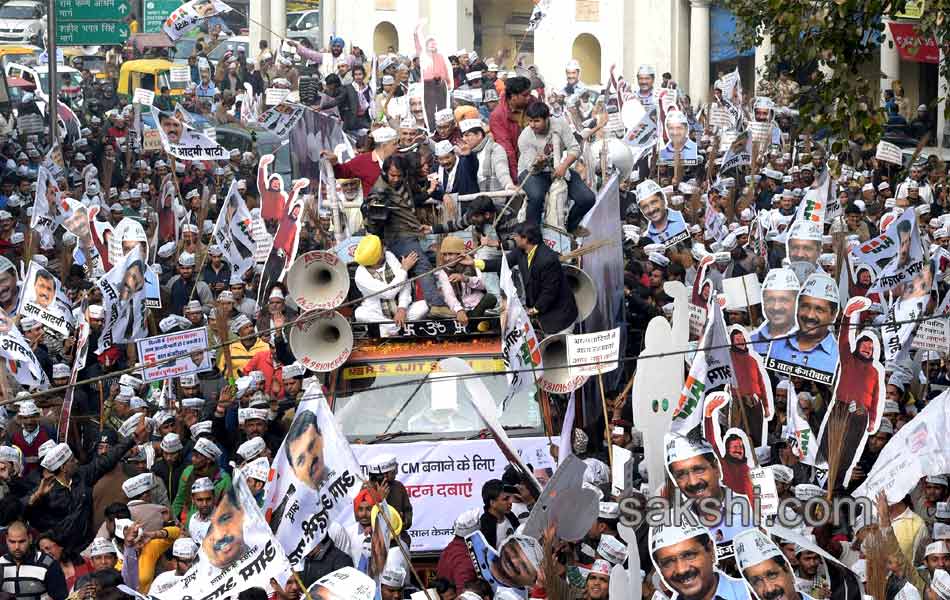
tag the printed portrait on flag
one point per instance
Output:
(287, 238)
(896, 256)
(810, 353)
(20, 359)
(44, 300)
(126, 236)
(677, 132)
(859, 387)
(804, 242)
(123, 300)
(273, 196)
(515, 565)
(237, 553)
(187, 16)
(315, 476)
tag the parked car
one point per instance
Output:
(22, 21)
(70, 80)
(232, 44)
(304, 25)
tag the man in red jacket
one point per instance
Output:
(366, 167)
(30, 436)
(507, 120)
(455, 564)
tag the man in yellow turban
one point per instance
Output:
(381, 278)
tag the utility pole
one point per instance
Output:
(52, 109)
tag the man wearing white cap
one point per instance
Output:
(204, 457)
(184, 553)
(764, 567)
(666, 226)
(804, 242)
(30, 436)
(455, 564)
(169, 467)
(685, 557)
(202, 498)
(812, 352)
(391, 582)
(646, 77)
(368, 166)
(457, 173)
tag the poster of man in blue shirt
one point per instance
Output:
(685, 557)
(811, 353)
(667, 227)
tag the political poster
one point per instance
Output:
(286, 239)
(125, 236)
(451, 472)
(43, 299)
(521, 347)
(281, 119)
(275, 96)
(82, 350)
(161, 348)
(593, 353)
(896, 256)
(45, 207)
(187, 16)
(239, 551)
(314, 478)
(143, 96)
(181, 141)
(123, 300)
(233, 232)
(888, 152)
(21, 362)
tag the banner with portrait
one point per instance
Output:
(896, 256)
(43, 299)
(187, 16)
(233, 232)
(21, 362)
(286, 239)
(238, 552)
(123, 300)
(281, 119)
(82, 349)
(181, 141)
(43, 221)
(125, 236)
(314, 478)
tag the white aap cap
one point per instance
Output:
(393, 577)
(138, 485)
(443, 148)
(753, 547)
(384, 134)
(940, 582)
(202, 484)
(467, 522)
(612, 549)
(679, 447)
(184, 547)
(258, 469)
(648, 188)
(821, 285)
(805, 230)
(665, 536)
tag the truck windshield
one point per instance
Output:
(382, 399)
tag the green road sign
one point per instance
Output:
(91, 10)
(89, 34)
(155, 12)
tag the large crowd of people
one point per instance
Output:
(812, 284)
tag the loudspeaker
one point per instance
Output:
(321, 343)
(318, 280)
(585, 294)
(554, 355)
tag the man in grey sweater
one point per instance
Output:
(547, 149)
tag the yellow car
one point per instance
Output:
(18, 53)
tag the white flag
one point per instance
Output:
(123, 299)
(239, 551)
(797, 432)
(21, 362)
(187, 16)
(234, 232)
(47, 197)
(314, 478)
(520, 344)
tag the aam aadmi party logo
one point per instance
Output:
(689, 399)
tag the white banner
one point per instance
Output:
(313, 480)
(42, 298)
(451, 473)
(123, 299)
(917, 449)
(888, 152)
(593, 353)
(45, 202)
(274, 96)
(239, 552)
(520, 344)
(185, 143)
(179, 74)
(281, 119)
(187, 16)
(233, 231)
(896, 256)
(21, 362)
(163, 347)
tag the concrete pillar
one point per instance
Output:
(762, 53)
(327, 21)
(258, 26)
(699, 51)
(278, 22)
(890, 60)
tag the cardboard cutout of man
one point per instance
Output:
(765, 568)
(677, 130)
(811, 352)
(753, 390)
(779, 304)
(685, 557)
(666, 226)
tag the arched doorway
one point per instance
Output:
(385, 37)
(586, 50)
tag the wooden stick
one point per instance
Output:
(603, 401)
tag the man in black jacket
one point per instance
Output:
(497, 522)
(63, 501)
(548, 296)
(322, 560)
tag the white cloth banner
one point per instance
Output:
(234, 232)
(239, 552)
(896, 256)
(521, 350)
(21, 362)
(918, 449)
(123, 299)
(451, 473)
(187, 16)
(185, 143)
(314, 478)
(42, 298)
